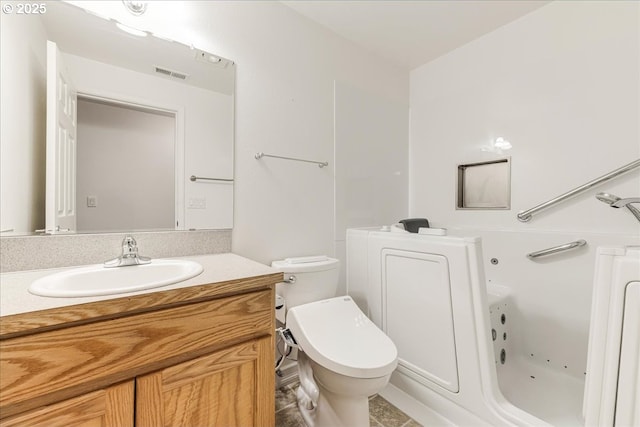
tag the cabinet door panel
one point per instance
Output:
(109, 407)
(226, 388)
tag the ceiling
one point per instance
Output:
(412, 33)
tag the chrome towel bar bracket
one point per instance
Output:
(556, 249)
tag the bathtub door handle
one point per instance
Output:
(556, 249)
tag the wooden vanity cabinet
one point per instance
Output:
(202, 362)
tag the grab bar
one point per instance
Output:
(258, 156)
(525, 216)
(195, 178)
(556, 249)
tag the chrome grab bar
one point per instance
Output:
(258, 156)
(195, 178)
(525, 216)
(556, 249)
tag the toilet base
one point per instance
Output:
(334, 410)
(329, 399)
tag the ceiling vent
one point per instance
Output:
(171, 73)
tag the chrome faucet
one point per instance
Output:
(129, 255)
(617, 202)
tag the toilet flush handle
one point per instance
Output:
(291, 279)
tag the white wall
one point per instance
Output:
(562, 85)
(115, 145)
(285, 208)
(371, 163)
(22, 169)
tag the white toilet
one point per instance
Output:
(343, 358)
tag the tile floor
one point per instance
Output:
(381, 412)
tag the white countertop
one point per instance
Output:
(16, 299)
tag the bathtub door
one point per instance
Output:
(612, 386)
(418, 316)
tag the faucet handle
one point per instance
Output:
(129, 246)
(129, 254)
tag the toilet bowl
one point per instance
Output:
(350, 359)
(343, 358)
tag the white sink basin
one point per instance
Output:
(96, 280)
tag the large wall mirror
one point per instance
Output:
(107, 131)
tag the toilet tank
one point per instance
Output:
(309, 279)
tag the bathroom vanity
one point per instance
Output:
(199, 352)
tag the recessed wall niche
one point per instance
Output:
(484, 185)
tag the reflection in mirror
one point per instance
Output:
(128, 89)
(484, 185)
(112, 192)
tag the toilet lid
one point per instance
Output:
(336, 334)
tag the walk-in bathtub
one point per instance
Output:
(473, 348)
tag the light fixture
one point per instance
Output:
(131, 30)
(136, 8)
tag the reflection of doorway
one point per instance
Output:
(125, 167)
